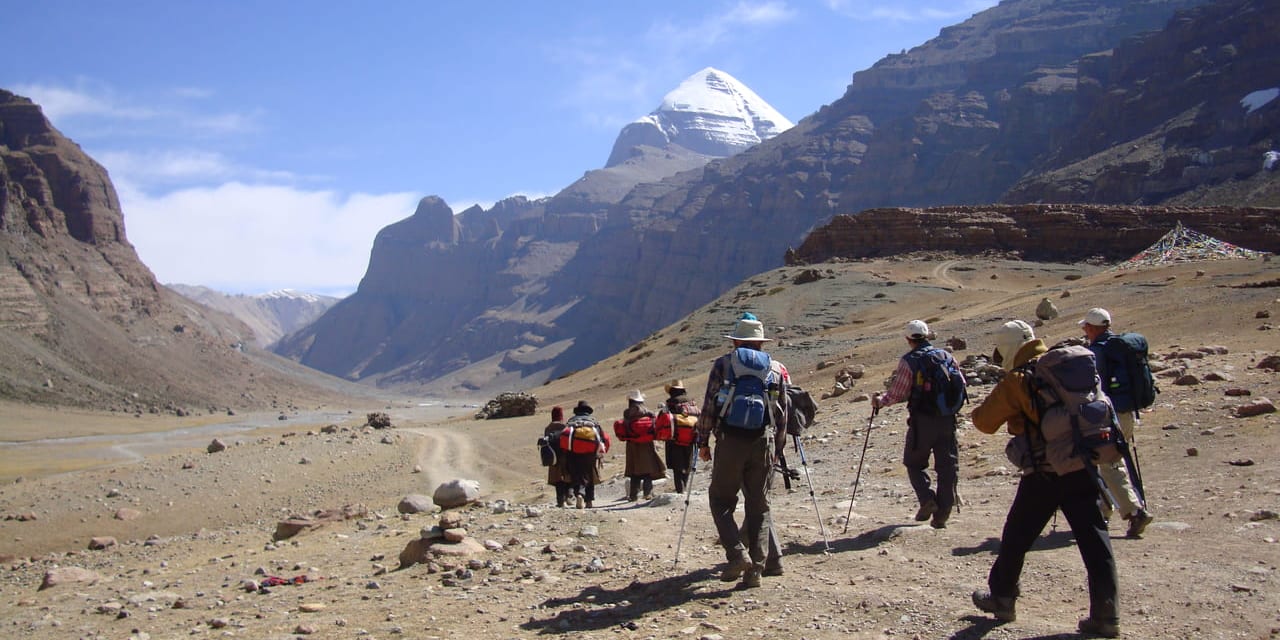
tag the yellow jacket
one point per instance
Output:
(1010, 402)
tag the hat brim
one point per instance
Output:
(752, 339)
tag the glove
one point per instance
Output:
(875, 401)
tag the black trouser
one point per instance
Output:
(678, 463)
(1039, 495)
(580, 467)
(936, 436)
(636, 483)
(562, 492)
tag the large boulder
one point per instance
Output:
(456, 493)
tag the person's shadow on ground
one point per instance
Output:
(622, 606)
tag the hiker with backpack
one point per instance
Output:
(1126, 378)
(1053, 477)
(585, 444)
(676, 425)
(929, 379)
(643, 465)
(744, 407)
(557, 475)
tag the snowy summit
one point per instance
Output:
(710, 113)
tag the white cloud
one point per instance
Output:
(187, 167)
(242, 238)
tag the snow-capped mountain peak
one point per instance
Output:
(710, 112)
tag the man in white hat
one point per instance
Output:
(642, 464)
(1041, 493)
(927, 432)
(1117, 383)
(744, 452)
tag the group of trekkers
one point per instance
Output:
(1070, 410)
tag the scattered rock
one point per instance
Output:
(456, 493)
(415, 503)
(378, 420)
(126, 514)
(1046, 310)
(1270, 362)
(98, 543)
(1187, 380)
(1256, 408)
(1237, 391)
(216, 446)
(68, 575)
(1192, 452)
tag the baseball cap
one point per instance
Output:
(917, 329)
(1097, 317)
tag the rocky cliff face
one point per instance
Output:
(1060, 233)
(480, 290)
(82, 320)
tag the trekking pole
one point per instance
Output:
(804, 464)
(858, 477)
(688, 494)
(1135, 471)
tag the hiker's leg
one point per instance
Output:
(946, 462)
(915, 457)
(1033, 505)
(1123, 489)
(722, 493)
(647, 485)
(757, 471)
(1079, 499)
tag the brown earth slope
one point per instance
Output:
(1205, 569)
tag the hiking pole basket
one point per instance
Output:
(688, 494)
(861, 459)
(804, 464)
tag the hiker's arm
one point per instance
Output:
(707, 420)
(1008, 403)
(899, 388)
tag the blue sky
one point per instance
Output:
(262, 145)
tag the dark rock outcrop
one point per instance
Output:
(1066, 233)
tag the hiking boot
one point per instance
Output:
(1099, 627)
(736, 568)
(926, 509)
(751, 579)
(939, 521)
(578, 501)
(1138, 523)
(589, 505)
(648, 496)
(770, 572)
(560, 503)
(1000, 607)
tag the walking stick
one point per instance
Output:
(858, 477)
(688, 494)
(804, 464)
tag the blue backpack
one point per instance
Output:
(937, 384)
(744, 398)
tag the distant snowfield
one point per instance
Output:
(1258, 99)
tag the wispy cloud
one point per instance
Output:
(169, 167)
(243, 238)
(878, 10)
(88, 99)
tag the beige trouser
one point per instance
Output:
(1117, 477)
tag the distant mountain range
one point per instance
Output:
(1031, 100)
(1151, 105)
(270, 316)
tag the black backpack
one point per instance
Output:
(1142, 385)
(802, 411)
(937, 384)
(548, 451)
